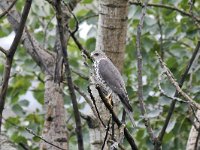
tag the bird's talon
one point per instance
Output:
(109, 98)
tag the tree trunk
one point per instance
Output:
(112, 29)
(55, 119)
(54, 130)
(193, 142)
(111, 38)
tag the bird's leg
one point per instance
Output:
(109, 98)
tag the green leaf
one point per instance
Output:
(170, 126)
(90, 44)
(86, 1)
(18, 109)
(24, 102)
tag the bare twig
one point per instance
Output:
(191, 3)
(196, 121)
(3, 51)
(172, 105)
(161, 37)
(40, 61)
(88, 17)
(32, 133)
(87, 99)
(80, 74)
(10, 55)
(140, 83)
(165, 94)
(106, 136)
(45, 31)
(94, 103)
(173, 82)
(168, 7)
(85, 53)
(68, 75)
(8, 9)
(115, 118)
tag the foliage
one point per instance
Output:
(178, 41)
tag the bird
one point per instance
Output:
(107, 74)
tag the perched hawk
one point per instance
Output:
(106, 73)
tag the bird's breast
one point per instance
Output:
(97, 73)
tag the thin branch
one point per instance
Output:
(35, 50)
(8, 9)
(115, 118)
(45, 31)
(161, 38)
(68, 75)
(106, 136)
(40, 61)
(87, 99)
(140, 82)
(165, 94)
(175, 84)
(85, 53)
(76, 20)
(91, 120)
(168, 7)
(32, 133)
(80, 74)
(10, 55)
(172, 105)
(94, 103)
(195, 122)
(88, 17)
(191, 3)
(3, 51)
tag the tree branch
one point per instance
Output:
(8, 9)
(72, 34)
(10, 55)
(42, 57)
(140, 83)
(33, 133)
(106, 136)
(168, 7)
(175, 84)
(3, 51)
(118, 122)
(172, 105)
(95, 106)
(68, 75)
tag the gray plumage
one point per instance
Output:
(107, 73)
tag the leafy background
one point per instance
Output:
(179, 38)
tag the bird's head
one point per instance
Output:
(97, 55)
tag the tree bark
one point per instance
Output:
(54, 130)
(55, 119)
(193, 142)
(6, 144)
(111, 38)
(112, 29)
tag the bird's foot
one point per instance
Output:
(109, 98)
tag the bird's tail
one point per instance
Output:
(130, 115)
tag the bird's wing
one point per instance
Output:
(110, 74)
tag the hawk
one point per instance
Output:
(107, 74)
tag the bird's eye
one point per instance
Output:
(96, 54)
